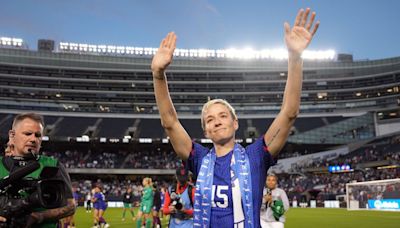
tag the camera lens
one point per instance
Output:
(178, 206)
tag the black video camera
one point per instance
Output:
(20, 197)
(175, 201)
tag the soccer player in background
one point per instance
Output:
(99, 207)
(146, 203)
(127, 199)
(88, 202)
(275, 204)
(230, 178)
(156, 206)
(162, 198)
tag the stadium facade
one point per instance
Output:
(94, 91)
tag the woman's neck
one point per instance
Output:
(223, 149)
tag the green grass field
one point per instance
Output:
(341, 218)
(296, 218)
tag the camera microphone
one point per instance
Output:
(33, 154)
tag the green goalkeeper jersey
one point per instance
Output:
(147, 197)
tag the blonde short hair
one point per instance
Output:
(148, 181)
(30, 115)
(216, 101)
(273, 175)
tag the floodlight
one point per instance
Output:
(92, 48)
(206, 141)
(73, 46)
(145, 140)
(64, 46)
(231, 53)
(120, 50)
(83, 47)
(238, 140)
(111, 49)
(102, 48)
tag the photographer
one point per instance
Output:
(179, 201)
(275, 203)
(18, 209)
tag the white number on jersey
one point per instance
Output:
(220, 196)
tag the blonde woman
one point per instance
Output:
(146, 203)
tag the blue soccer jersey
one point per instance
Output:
(76, 198)
(100, 202)
(222, 205)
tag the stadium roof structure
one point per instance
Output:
(77, 82)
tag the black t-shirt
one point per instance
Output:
(157, 198)
(63, 175)
(127, 197)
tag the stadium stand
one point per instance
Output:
(101, 115)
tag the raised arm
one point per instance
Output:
(180, 139)
(297, 39)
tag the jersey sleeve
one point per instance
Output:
(258, 150)
(196, 156)
(285, 200)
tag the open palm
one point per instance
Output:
(163, 57)
(299, 37)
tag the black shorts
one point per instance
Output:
(156, 208)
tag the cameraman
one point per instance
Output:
(25, 139)
(275, 203)
(179, 201)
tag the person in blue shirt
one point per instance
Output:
(99, 207)
(230, 178)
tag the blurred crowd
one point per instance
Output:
(297, 183)
(117, 160)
